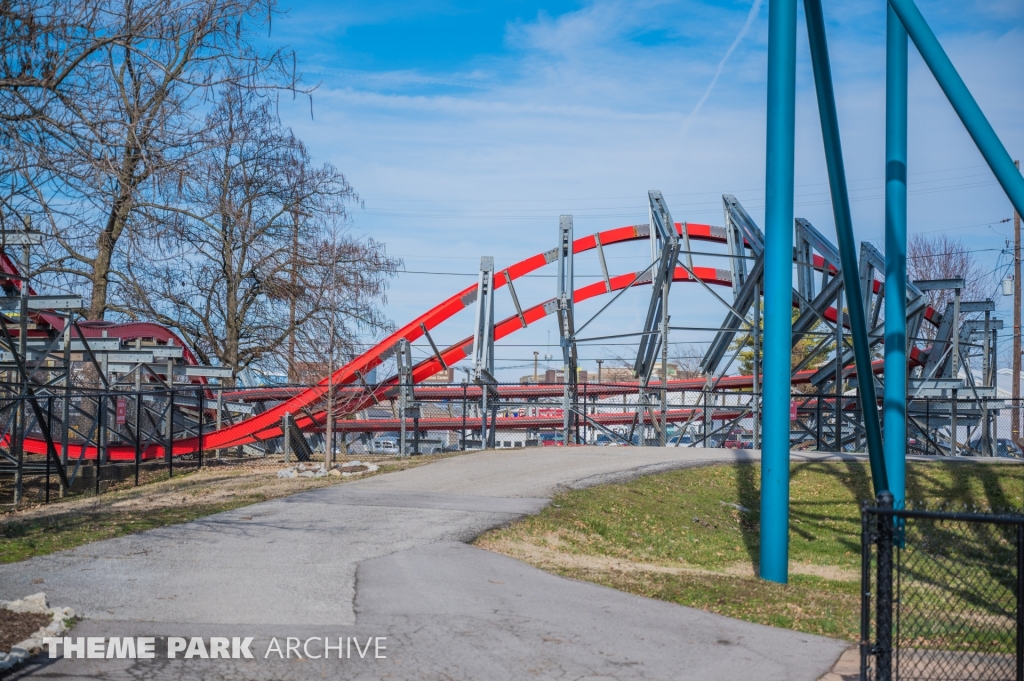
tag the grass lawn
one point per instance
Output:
(691, 536)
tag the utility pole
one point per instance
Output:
(329, 435)
(20, 431)
(599, 363)
(1016, 373)
(292, 374)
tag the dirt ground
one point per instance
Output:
(15, 627)
(208, 486)
(551, 554)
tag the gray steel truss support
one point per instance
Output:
(809, 240)
(604, 265)
(827, 371)
(871, 261)
(403, 354)
(938, 357)
(483, 330)
(515, 299)
(665, 238)
(433, 347)
(748, 296)
(742, 233)
(736, 215)
(814, 301)
(566, 325)
(666, 246)
(737, 253)
(813, 311)
(483, 346)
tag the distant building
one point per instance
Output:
(625, 374)
(556, 376)
(617, 375)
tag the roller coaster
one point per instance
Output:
(150, 398)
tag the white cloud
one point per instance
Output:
(590, 120)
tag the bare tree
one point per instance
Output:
(221, 266)
(43, 46)
(133, 119)
(687, 357)
(44, 49)
(942, 257)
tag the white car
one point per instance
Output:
(384, 445)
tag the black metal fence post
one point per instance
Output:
(1020, 602)
(170, 433)
(867, 539)
(416, 433)
(927, 424)
(100, 422)
(817, 423)
(464, 387)
(138, 434)
(49, 427)
(837, 427)
(884, 591)
(202, 408)
(704, 440)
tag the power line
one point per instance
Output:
(673, 195)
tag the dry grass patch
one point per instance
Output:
(37, 530)
(691, 536)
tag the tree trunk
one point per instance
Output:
(107, 239)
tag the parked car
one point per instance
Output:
(740, 440)
(682, 440)
(605, 440)
(552, 439)
(384, 445)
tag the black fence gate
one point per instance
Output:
(941, 595)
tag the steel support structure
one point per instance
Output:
(778, 263)
(403, 353)
(905, 19)
(778, 286)
(844, 232)
(962, 101)
(665, 250)
(566, 327)
(895, 385)
(483, 346)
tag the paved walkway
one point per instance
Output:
(387, 556)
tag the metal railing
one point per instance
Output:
(141, 426)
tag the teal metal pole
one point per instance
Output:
(778, 290)
(895, 398)
(963, 102)
(847, 244)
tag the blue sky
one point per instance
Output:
(467, 128)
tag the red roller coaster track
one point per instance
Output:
(267, 425)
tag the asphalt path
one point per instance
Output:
(387, 558)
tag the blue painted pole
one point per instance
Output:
(963, 102)
(895, 398)
(778, 289)
(847, 244)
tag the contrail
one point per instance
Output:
(751, 15)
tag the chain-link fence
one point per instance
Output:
(86, 440)
(965, 427)
(96, 438)
(942, 595)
